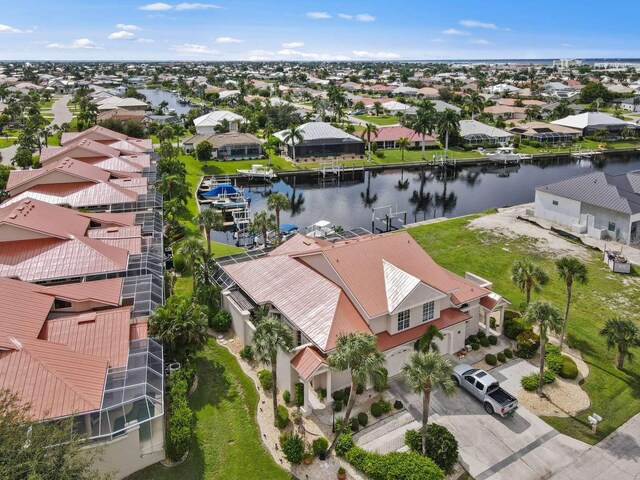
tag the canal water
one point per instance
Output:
(422, 194)
(155, 96)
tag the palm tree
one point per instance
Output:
(173, 187)
(193, 250)
(548, 319)
(272, 335)
(622, 334)
(208, 219)
(475, 103)
(357, 353)
(426, 342)
(532, 112)
(403, 143)
(370, 130)
(448, 122)
(377, 108)
(425, 372)
(278, 202)
(261, 224)
(293, 135)
(178, 131)
(570, 269)
(425, 122)
(528, 276)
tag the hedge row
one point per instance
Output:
(180, 415)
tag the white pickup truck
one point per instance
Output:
(486, 389)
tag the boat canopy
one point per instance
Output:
(222, 189)
(288, 227)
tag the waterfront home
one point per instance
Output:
(74, 350)
(548, 133)
(385, 284)
(206, 124)
(227, 146)
(387, 137)
(321, 139)
(596, 204)
(589, 123)
(104, 136)
(113, 103)
(476, 133)
(507, 112)
(629, 104)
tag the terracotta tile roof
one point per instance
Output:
(94, 133)
(307, 361)
(394, 133)
(107, 292)
(23, 311)
(448, 317)
(137, 184)
(107, 219)
(77, 149)
(299, 244)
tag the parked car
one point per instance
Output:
(486, 389)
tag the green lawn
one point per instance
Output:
(379, 119)
(585, 144)
(614, 394)
(226, 445)
(4, 143)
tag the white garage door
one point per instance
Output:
(398, 357)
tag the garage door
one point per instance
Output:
(398, 357)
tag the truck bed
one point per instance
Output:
(501, 396)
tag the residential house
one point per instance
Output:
(476, 133)
(387, 137)
(590, 123)
(546, 132)
(227, 146)
(630, 104)
(321, 139)
(113, 103)
(206, 124)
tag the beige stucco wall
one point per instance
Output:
(239, 319)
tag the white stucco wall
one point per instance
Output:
(602, 217)
(239, 319)
(567, 212)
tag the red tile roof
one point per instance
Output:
(394, 133)
(307, 361)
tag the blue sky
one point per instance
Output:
(318, 30)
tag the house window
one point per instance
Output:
(555, 202)
(612, 227)
(403, 320)
(427, 311)
(298, 338)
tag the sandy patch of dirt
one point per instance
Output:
(564, 398)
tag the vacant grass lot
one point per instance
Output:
(614, 394)
(379, 119)
(226, 444)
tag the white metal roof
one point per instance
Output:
(212, 119)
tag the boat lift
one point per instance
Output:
(387, 215)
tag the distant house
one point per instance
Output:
(113, 103)
(545, 132)
(506, 111)
(428, 92)
(387, 137)
(227, 146)
(206, 124)
(476, 133)
(503, 88)
(597, 204)
(591, 122)
(321, 139)
(162, 119)
(630, 104)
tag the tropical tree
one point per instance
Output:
(208, 219)
(278, 202)
(193, 251)
(403, 144)
(174, 187)
(181, 325)
(426, 121)
(173, 210)
(358, 354)
(377, 108)
(293, 135)
(528, 276)
(570, 269)
(475, 104)
(261, 224)
(532, 112)
(448, 123)
(621, 334)
(369, 132)
(165, 133)
(426, 343)
(425, 372)
(547, 318)
(271, 336)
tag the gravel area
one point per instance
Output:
(564, 398)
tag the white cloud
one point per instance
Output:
(437, 40)
(293, 44)
(196, 6)
(381, 55)
(476, 24)
(8, 29)
(318, 15)
(194, 49)
(289, 52)
(127, 27)
(345, 16)
(156, 7)
(365, 17)
(145, 40)
(480, 41)
(80, 43)
(228, 40)
(453, 31)
(121, 35)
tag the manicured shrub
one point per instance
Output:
(491, 359)
(359, 389)
(501, 357)
(180, 430)
(514, 326)
(345, 394)
(322, 394)
(380, 385)
(384, 405)
(393, 466)
(442, 446)
(530, 382)
(282, 417)
(337, 405)
(246, 353)
(299, 394)
(338, 395)
(569, 368)
(363, 419)
(319, 445)
(507, 353)
(376, 410)
(484, 342)
(528, 344)
(221, 321)
(354, 424)
(493, 340)
(398, 405)
(338, 423)
(286, 396)
(481, 335)
(475, 346)
(292, 447)
(344, 444)
(471, 339)
(266, 379)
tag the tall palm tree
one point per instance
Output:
(425, 122)
(293, 135)
(548, 319)
(425, 372)
(528, 276)
(570, 269)
(448, 122)
(475, 103)
(426, 342)
(193, 250)
(403, 143)
(261, 224)
(208, 219)
(622, 334)
(377, 108)
(173, 187)
(178, 131)
(272, 335)
(357, 353)
(369, 132)
(278, 202)
(532, 112)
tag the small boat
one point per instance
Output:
(225, 190)
(288, 230)
(320, 229)
(257, 171)
(225, 203)
(504, 155)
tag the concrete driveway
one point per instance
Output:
(521, 447)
